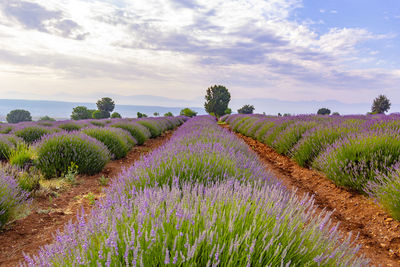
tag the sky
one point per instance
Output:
(292, 50)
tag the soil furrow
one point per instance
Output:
(49, 214)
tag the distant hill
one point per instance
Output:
(62, 110)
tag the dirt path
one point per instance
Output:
(48, 216)
(379, 234)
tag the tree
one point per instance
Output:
(217, 100)
(116, 115)
(156, 114)
(228, 111)
(324, 111)
(380, 105)
(141, 115)
(18, 115)
(246, 109)
(81, 113)
(188, 112)
(335, 114)
(46, 118)
(100, 114)
(105, 104)
(168, 114)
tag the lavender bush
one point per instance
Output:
(31, 134)
(138, 131)
(56, 152)
(117, 141)
(12, 197)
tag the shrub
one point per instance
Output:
(18, 115)
(46, 118)
(31, 134)
(98, 123)
(357, 159)
(28, 178)
(168, 114)
(246, 109)
(386, 190)
(188, 112)
(6, 129)
(100, 114)
(139, 132)
(151, 126)
(116, 142)
(5, 147)
(116, 115)
(12, 197)
(70, 126)
(291, 135)
(316, 140)
(81, 113)
(56, 152)
(21, 156)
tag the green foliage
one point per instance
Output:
(18, 115)
(141, 115)
(217, 100)
(168, 114)
(357, 160)
(154, 130)
(100, 114)
(55, 154)
(103, 181)
(116, 143)
(228, 111)
(81, 113)
(46, 118)
(6, 129)
(106, 105)
(246, 109)
(71, 174)
(139, 132)
(335, 114)
(70, 127)
(22, 155)
(31, 134)
(289, 138)
(29, 180)
(6, 147)
(324, 111)
(380, 105)
(156, 114)
(116, 115)
(188, 112)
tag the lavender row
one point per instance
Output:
(358, 152)
(203, 199)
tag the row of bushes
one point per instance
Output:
(202, 199)
(357, 152)
(89, 149)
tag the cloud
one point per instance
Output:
(249, 45)
(33, 16)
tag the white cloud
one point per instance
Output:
(176, 47)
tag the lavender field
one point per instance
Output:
(359, 152)
(202, 199)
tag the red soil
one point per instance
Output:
(38, 228)
(379, 234)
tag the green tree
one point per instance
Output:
(324, 111)
(100, 114)
(18, 115)
(168, 114)
(81, 113)
(335, 114)
(246, 109)
(380, 105)
(105, 104)
(116, 115)
(156, 114)
(46, 118)
(188, 112)
(217, 100)
(141, 115)
(228, 111)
